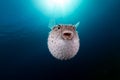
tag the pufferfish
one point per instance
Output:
(63, 41)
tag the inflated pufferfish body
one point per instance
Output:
(63, 41)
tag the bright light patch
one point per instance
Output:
(57, 7)
(59, 2)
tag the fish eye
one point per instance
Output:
(59, 26)
(56, 28)
(74, 28)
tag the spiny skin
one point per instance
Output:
(63, 42)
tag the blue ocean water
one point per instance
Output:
(23, 41)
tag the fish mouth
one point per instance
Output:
(67, 35)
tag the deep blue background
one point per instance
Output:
(23, 42)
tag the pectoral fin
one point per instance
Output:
(51, 23)
(77, 24)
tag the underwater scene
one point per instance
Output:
(57, 39)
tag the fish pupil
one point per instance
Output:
(58, 27)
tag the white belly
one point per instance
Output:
(62, 49)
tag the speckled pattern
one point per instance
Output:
(63, 49)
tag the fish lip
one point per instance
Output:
(67, 35)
